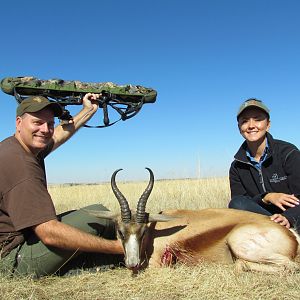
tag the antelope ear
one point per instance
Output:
(161, 218)
(101, 213)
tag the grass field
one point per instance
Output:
(206, 281)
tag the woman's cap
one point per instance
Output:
(254, 103)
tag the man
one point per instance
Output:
(33, 240)
(265, 174)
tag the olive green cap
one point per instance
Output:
(37, 103)
(252, 102)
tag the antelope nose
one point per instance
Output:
(132, 265)
(132, 268)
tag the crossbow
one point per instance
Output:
(126, 100)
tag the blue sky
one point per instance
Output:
(203, 58)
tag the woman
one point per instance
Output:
(265, 174)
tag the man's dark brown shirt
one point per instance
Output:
(24, 198)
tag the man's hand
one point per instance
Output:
(90, 101)
(280, 219)
(281, 200)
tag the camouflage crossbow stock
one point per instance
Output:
(126, 100)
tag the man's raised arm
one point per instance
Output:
(64, 131)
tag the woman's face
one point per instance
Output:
(253, 124)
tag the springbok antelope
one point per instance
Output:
(251, 241)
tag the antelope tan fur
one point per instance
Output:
(249, 240)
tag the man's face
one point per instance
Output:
(35, 130)
(253, 124)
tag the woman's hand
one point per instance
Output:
(281, 200)
(280, 219)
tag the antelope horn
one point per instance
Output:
(125, 210)
(141, 206)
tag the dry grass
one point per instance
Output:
(166, 194)
(207, 281)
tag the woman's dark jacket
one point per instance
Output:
(280, 173)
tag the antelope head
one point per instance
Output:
(132, 226)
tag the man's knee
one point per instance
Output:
(99, 207)
(84, 221)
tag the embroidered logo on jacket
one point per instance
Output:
(276, 179)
